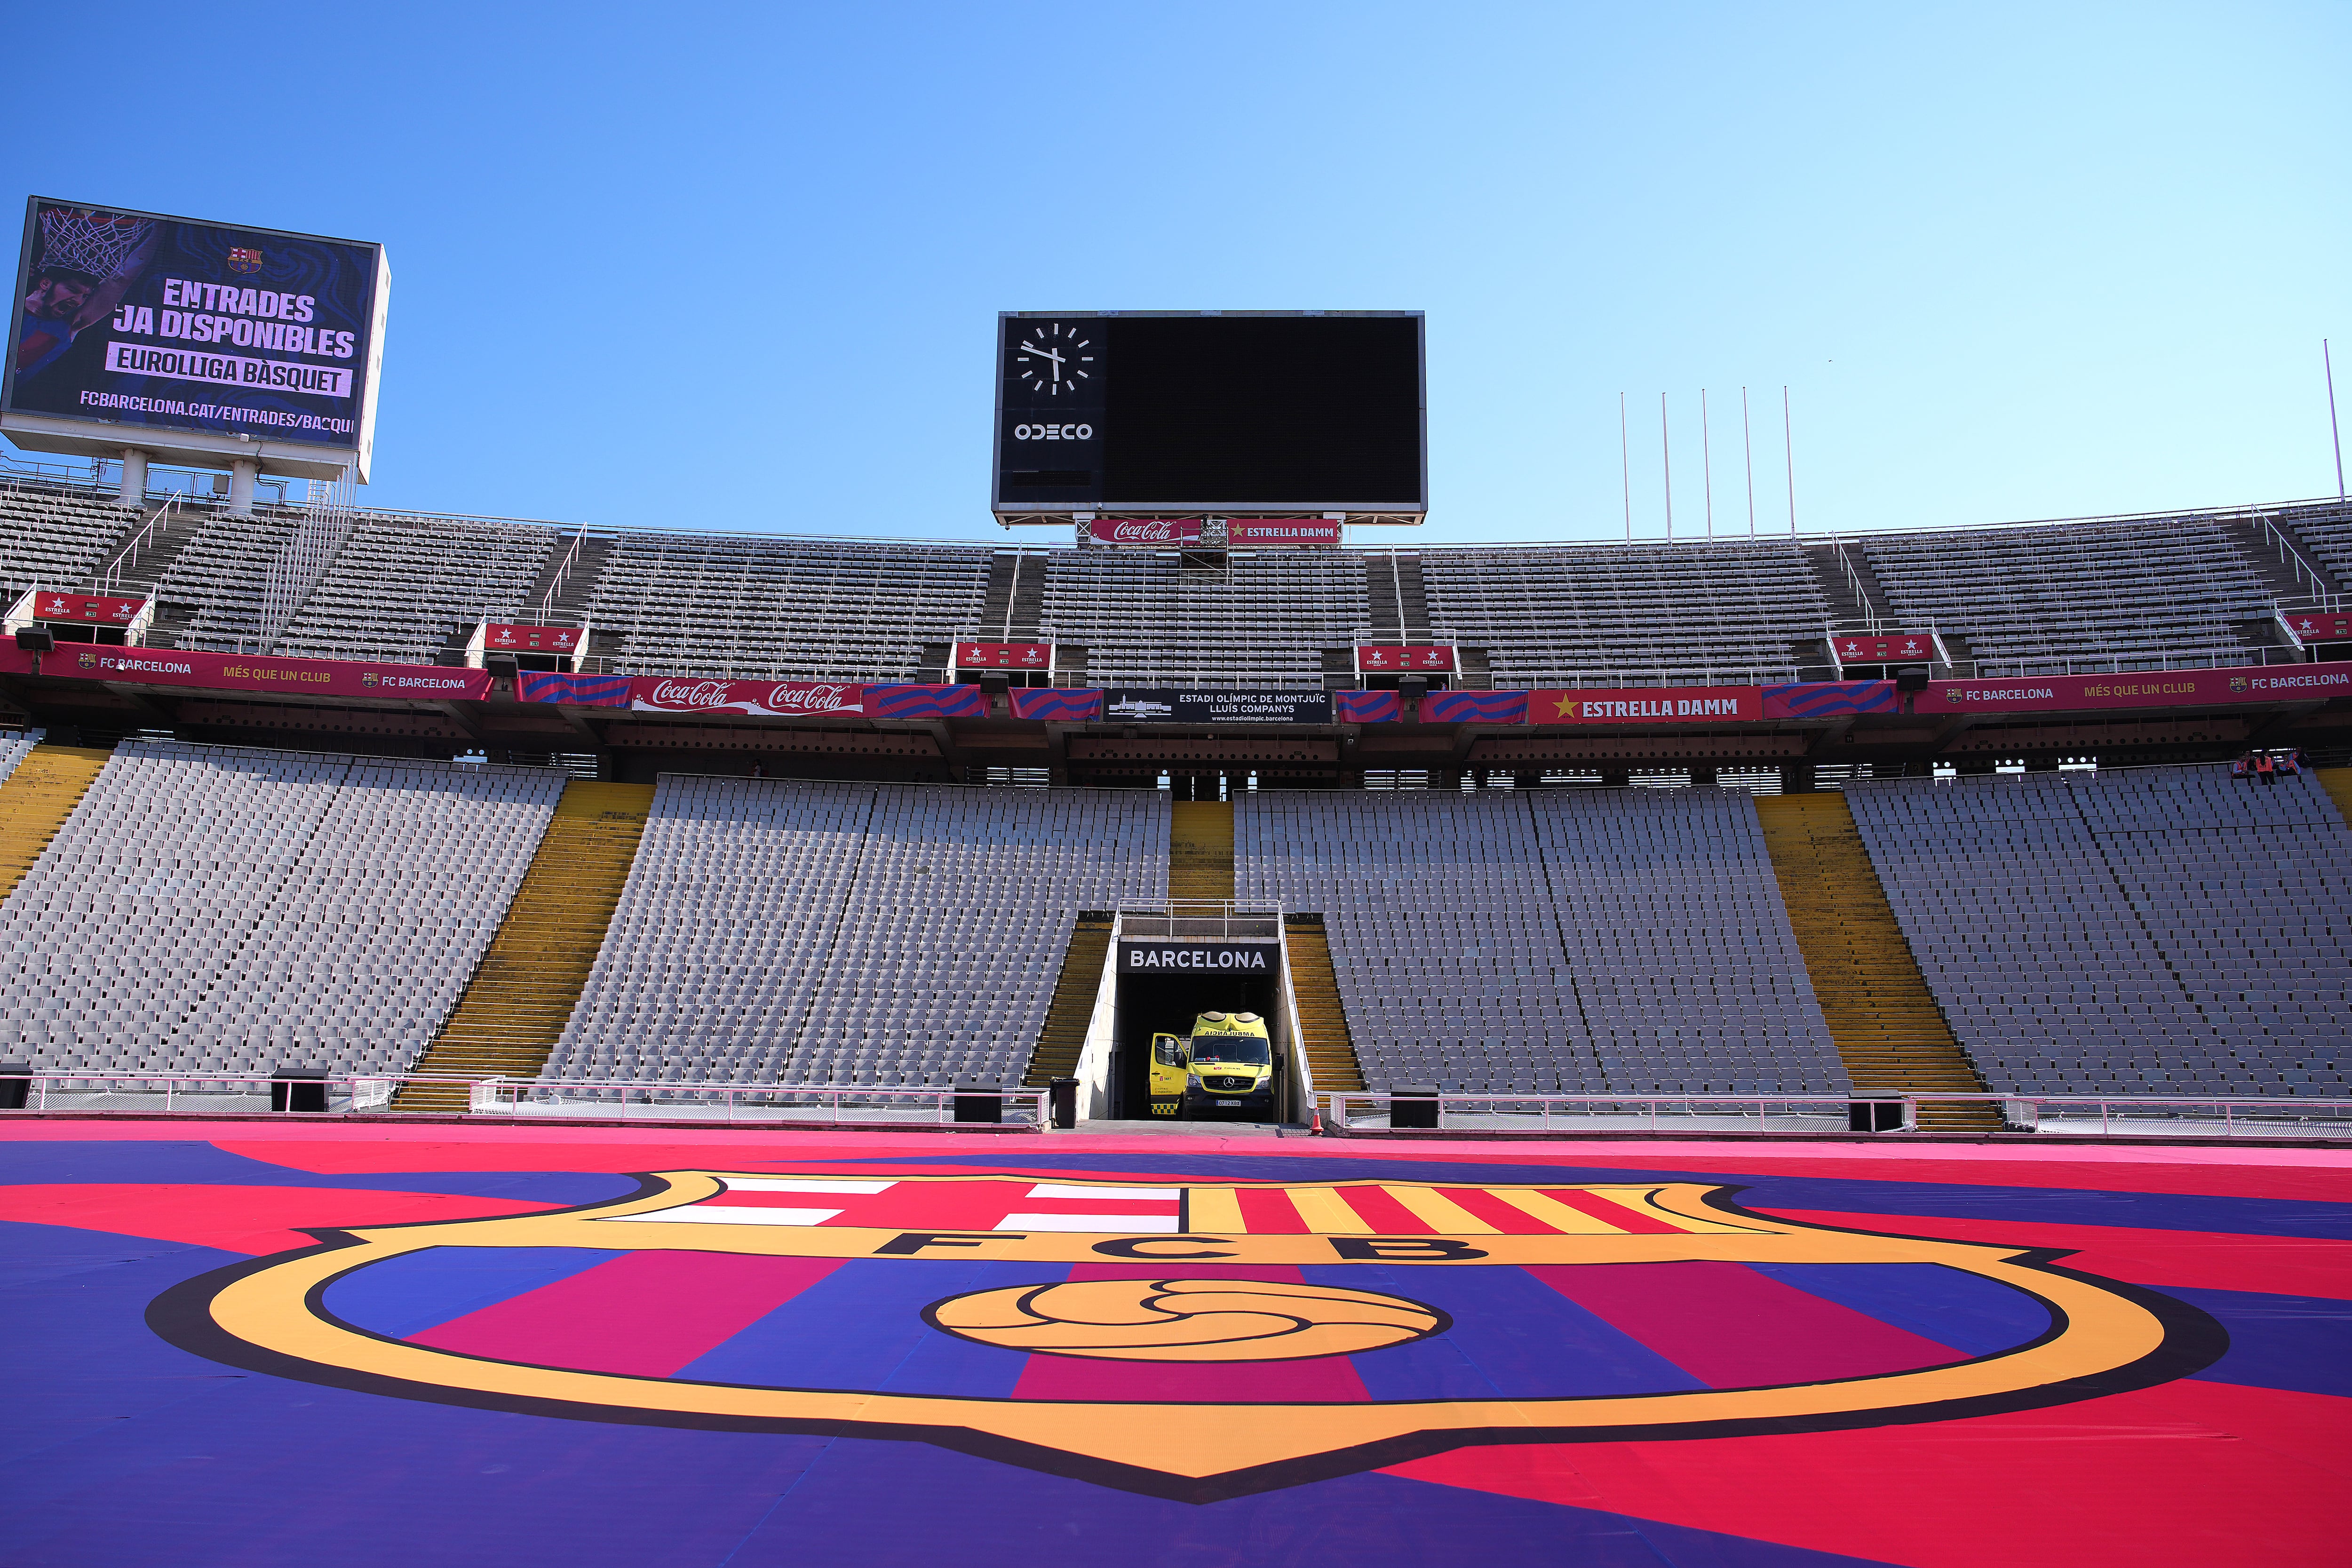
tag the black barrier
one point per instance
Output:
(298, 1089)
(1066, 1103)
(1874, 1113)
(1414, 1105)
(15, 1079)
(979, 1102)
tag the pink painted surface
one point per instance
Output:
(1731, 1326)
(644, 1314)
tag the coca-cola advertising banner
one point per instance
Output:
(2165, 688)
(759, 698)
(86, 609)
(1647, 705)
(1389, 658)
(1206, 533)
(1004, 655)
(1886, 649)
(245, 672)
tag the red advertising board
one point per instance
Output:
(1206, 533)
(88, 609)
(1885, 648)
(506, 638)
(2161, 688)
(765, 699)
(245, 672)
(1004, 655)
(1389, 658)
(1648, 705)
(2314, 627)
(1283, 531)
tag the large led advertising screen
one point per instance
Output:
(169, 329)
(1210, 411)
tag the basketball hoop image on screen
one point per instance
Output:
(87, 259)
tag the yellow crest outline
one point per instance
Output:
(2106, 1337)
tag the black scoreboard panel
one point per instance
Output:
(1161, 411)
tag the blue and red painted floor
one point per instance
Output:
(360, 1345)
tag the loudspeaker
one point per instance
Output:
(36, 639)
(979, 1102)
(502, 665)
(1911, 677)
(1412, 1105)
(298, 1089)
(1413, 688)
(15, 1079)
(1066, 1103)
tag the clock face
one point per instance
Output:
(1050, 360)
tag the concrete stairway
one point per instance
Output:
(1073, 1007)
(516, 1004)
(1886, 1026)
(1331, 1050)
(1199, 849)
(2338, 782)
(35, 801)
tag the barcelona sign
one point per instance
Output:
(1194, 1340)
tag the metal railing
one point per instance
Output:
(205, 1092)
(1199, 918)
(2151, 1116)
(2290, 555)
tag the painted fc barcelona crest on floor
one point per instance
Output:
(1192, 1340)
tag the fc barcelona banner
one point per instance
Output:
(247, 672)
(1058, 704)
(1829, 699)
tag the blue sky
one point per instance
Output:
(739, 267)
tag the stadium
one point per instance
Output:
(1228, 1020)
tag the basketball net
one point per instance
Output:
(94, 243)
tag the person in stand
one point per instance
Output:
(2264, 768)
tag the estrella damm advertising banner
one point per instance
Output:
(159, 323)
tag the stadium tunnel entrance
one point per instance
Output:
(1152, 1000)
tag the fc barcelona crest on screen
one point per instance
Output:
(1193, 1341)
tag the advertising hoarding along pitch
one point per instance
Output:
(163, 327)
(1647, 705)
(1886, 649)
(249, 673)
(1206, 533)
(1389, 658)
(1172, 707)
(1004, 655)
(2165, 688)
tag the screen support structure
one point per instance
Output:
(1010, 519)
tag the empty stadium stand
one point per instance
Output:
(53, 537)
(43, 783)
(1699, 614)
(212, 908)
(763, 607)
(1567, 942)
(2167, 930)
(2075, 598)
(852, 933)
(1887, 1026)
(516, 1003)
(404, 589)
(1257, 622)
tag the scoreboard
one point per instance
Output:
(1170, 412)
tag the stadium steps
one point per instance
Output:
(1887, 1026)
(1199, 849)
(1398, 595)
(35, 801)
(515, 1006)
(2338, 782)
(1322, 1019)
(1073, 1007)
(2277, 576)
